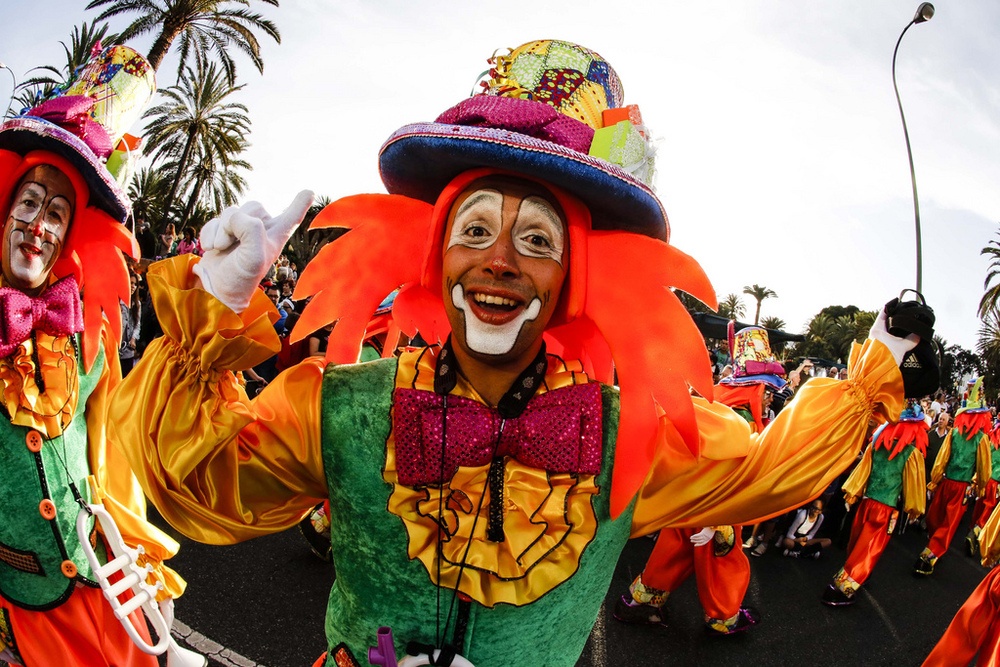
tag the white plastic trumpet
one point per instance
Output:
(134, 578)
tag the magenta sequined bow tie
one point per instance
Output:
(559, 431)
(57, 311)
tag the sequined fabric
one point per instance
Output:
(559, 431)
(523, 116)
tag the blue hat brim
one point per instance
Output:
(772, 381)
(419, 160)
(24, 134)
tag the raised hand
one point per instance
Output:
(241, 244)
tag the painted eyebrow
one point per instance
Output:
(479, 196)
(539, 205)
(33, 187)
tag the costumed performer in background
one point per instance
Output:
(482, 489)
(976, 626)
(892, 464)
(63, 235)
(987, 502)
(964, 459)
(722, 573)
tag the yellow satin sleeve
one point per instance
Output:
(984, 465)
(940, 462)
(989, 540)
(742, 477)
(857, 482)
(115, 486)
(219, 467)
(914, 485)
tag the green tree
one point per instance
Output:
(196, 122)
(215, 181)
(147, 191)
(198, 27)
(305, 242)
(732, 307)
(691, 303)
(82, 42)
(759, 293)
(991, 297)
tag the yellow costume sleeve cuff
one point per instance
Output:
(195, 320)
(914, 474)
(742, 477)
(989, 540)
(856, 484)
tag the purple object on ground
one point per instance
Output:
(383, 653)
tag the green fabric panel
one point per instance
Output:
(995, 464)
(886, 480)
(26, 478)
(746, 414)
(377, 585)
(962, 463)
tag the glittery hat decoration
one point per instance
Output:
(85, 121)
(551, 110)
(577, 83)
(753, 361)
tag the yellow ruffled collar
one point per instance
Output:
(48, 408)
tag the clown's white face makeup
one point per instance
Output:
(36, 227)
(503, 269)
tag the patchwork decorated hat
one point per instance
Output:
(753, 361)
(552, 110)
(85, 122)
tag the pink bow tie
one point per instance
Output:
(57, 311)
(559, 431)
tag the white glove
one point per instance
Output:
(703, 537)
(241, 244)
(897, 346)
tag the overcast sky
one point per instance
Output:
(781, 158)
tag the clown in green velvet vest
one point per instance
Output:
(40, 555)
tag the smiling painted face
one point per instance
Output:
(36, 227)
(505, 260)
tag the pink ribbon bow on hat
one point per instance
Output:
(559, 431)
(57, 311)
(72, 113)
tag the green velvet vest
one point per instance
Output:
(962, 463)
(886, 480)
(33, 548)
(378, 585)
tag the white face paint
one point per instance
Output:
(493, 339)
(538, 231)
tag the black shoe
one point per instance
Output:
(971, 544)
(627, 611)
(747, 618)
(922, 568)
(835, 597)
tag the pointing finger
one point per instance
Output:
(280, 227)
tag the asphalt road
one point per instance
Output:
(264, 601)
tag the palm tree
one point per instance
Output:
(198, 26)
(759, 293)
(83, 41)
(732, 307)
(216, 183)
(776, 323)
(991, 298)
(305, 242)
(195, 122)
(147, 191)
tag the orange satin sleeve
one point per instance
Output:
(117, 488)
(940, 462)
(915, 485)
(742, 477)
(219, 467)
(857, 482)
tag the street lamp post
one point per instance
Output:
(924, 13)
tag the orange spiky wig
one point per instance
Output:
(895, 437)
(91, 250)
(616, 311)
